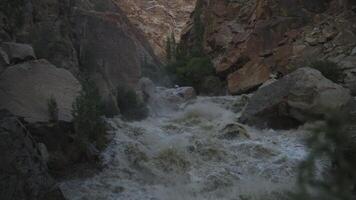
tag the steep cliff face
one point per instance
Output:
(250, 40)
(158, 19)
(81, 36)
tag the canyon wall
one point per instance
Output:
(251, 41)
(158, 19)
(84, 36)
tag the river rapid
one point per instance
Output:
(196, 152)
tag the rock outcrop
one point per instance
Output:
(23, 171)
(88, 36)
(158, 19)
(251, 40)
(26, 88)
(299, 97)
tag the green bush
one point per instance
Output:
(14, 13)
(194, 72)
(333, 142)
(329, 69)
(87, 116)
(212, 85)
(52, 107)
(130, 105)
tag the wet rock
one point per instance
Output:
(18, 52)
(23, 173)
(233, 131)
(297, 98)
(25, 89)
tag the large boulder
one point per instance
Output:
(23, 172)
(298, 97)
(26, 88)
(18, 52)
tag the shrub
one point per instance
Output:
(329, 69)
(194, 72)
(212, 85)
(130, 105)
(334, 142)
(14, 13)
(52, 107)
(87, 116)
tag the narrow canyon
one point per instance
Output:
(177, 100)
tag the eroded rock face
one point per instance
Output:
(26, 88)
(250, 40)
(81, 36)
(158, 19)
(23, 172)
(299, 97)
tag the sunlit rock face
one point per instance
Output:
(250, 40)
(158, 18)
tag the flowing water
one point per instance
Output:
(196, 152)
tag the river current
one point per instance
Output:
(196, 152)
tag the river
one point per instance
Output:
(197, 152)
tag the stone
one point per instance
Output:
(248, 78)
(186, 93)
(111, 48)
(25, 89)
(299, 97)
(233, 131)
(158, 19)
(23, 173)
(169, 99)
(18, 52)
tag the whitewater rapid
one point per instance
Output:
(197, 152)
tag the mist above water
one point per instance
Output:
(195, 152)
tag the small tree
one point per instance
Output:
(87, 116)
(198, 30)
(52, 107)
(168, 50)
(335, 143)
(131, 106)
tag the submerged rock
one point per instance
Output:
(161, 98)
(23, 172)
(301, 96)
(233, 131)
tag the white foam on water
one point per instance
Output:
(181, 156)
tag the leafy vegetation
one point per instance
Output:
(329, 69)
(13, 11)
(87, 116)
(189, 66)
(335, 143)
(52, 107)
(131, 106)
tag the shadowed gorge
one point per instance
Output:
(177, 100)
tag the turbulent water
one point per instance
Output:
(197, 152)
